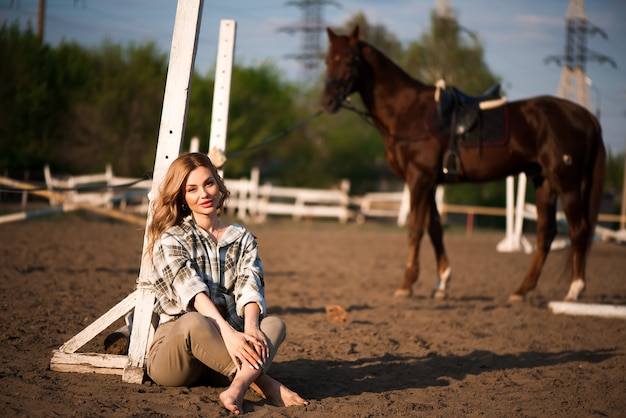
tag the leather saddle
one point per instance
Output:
(457, 114)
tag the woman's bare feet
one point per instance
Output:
(277, 393)
(271, 389)
(232, 398)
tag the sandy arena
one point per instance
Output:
(473, 354)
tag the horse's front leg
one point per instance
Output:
(417, 217)
(435, 231)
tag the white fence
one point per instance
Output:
(131, 194)
(252, 201)
(249, 200)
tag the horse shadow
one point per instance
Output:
(396, 372)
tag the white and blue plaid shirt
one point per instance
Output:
(186, 261)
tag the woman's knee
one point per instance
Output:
(195, 325)
(275, 329)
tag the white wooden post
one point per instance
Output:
(513, 240)
(194, 145)
(405, 206)
(221, 90)
(169, 145)
(175, 101)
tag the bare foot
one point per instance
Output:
(277, 393)
(232, 398)
(232, 403)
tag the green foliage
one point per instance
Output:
(33, 96)
(115, 118)
(78, 109)
(451, 53)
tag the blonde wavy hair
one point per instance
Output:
(169, 207)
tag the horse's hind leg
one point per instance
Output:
(580, 232)
(545, 200)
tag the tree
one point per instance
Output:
(261, 106)
(452, 53)
(115, 117)
(34, 94)
(375, 34)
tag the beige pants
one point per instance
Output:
(191, 350)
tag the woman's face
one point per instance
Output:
(202, 193)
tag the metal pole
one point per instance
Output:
(41, 17)
(622, 224)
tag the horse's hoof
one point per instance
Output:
(440, 294)
(405, 293)
(515, 298)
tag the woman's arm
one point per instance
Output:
(249, 286)
(252, 327)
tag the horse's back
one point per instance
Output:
(558, 135)
(550, 120)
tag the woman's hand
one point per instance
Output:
(260, 344)
(252, 328)
(242, 348)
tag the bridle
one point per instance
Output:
(344, 88)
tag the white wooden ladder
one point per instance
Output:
(172, 128)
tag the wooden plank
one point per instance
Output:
(477, 210)
(141, 335)
(100, 324)
(88, 362)
(221, 92)
(588, 309)
(30, 188)
(112, 213)
(20, 216)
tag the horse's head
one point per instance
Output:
(342, 69)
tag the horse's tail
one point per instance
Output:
(593, 185)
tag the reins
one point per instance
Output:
(369, 119)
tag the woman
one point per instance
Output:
(208, 279)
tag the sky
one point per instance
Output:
(517, 36)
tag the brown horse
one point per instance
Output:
(555, 142)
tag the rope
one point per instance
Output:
(275, 136)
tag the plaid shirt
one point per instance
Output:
(186, 261)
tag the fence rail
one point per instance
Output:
(253, 201)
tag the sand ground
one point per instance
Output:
(473, 354)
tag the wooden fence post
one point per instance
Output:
(175, 101)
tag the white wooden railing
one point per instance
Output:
(249, 200)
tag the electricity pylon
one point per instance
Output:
(574, 84)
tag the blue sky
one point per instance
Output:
(517, 36)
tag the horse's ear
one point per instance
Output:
(331, 34)
(355, 33)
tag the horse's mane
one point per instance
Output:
(385, 64)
